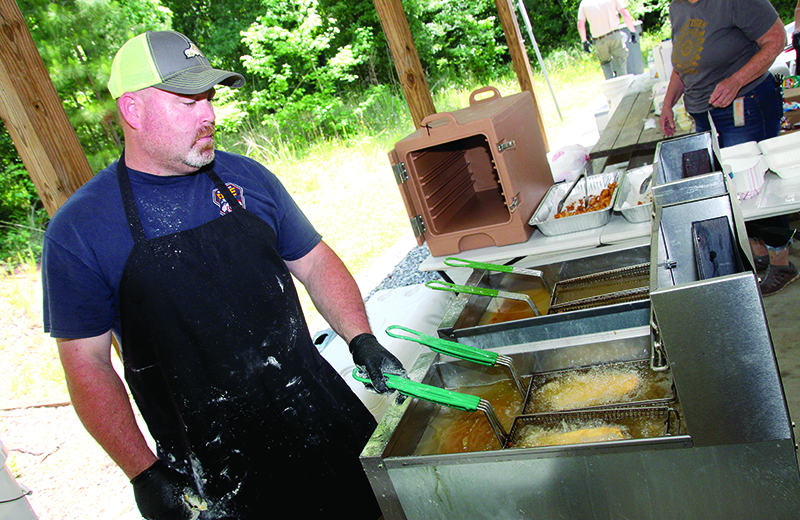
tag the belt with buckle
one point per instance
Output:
(608, 34)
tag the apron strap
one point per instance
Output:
(232, 201)
(128, 201)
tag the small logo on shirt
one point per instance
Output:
(219, 198)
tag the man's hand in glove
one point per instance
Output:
(162, 493)
(633, 37)
(587, 46)
(371, 356)
(796, 42)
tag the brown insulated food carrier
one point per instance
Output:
(472, 178)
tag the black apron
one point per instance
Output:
(219, 360)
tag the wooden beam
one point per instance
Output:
(519, 57)
(406, 59)
(34, 116)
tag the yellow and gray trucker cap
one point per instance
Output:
(168, 61)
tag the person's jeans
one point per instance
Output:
(763, 110)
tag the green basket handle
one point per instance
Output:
(459, 262)
(443, 346)
(463, 402)
(446, 286)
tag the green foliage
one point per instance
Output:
(77, 40)
(460, 39)
(785, 9)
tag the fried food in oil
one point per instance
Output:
(581, 436)
(587, 389)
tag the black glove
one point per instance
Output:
(796, 42)
(633, 37)
(370, 356)
(161, 494)
(587, 46)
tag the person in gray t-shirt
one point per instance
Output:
(721, 56)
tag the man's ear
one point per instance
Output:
(130, 109)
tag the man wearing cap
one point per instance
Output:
(609, 40)
(186, 255)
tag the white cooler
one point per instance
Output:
(13, 504)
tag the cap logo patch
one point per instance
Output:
(192, 51)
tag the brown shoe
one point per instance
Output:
(761, 263)
(777, 278)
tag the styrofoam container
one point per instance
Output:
(780, 144)
(633, 206)
(742, 150)
(786, 163)
(543, 217)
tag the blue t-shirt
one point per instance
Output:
(88, 241)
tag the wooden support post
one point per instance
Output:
(34, 116)
(519, 57)
(406, 59)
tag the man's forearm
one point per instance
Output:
(333, 290)
(102, 404)
(628, 19)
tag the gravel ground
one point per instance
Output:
(69, 476)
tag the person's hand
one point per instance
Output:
(162, 493)
(724, 93)
(372, 357)
(633, 37)
(667, 121)
(796, 41)
(587, 46)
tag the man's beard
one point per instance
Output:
(200, 156)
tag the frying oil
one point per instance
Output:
(455, 431)
(501, 310)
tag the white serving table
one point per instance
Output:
(778, 196)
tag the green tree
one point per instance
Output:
(77, 40)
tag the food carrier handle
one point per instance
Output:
(473, 97)
(451, 348)
(451, 119)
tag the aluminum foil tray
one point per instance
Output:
(628, 200)
(543, 216)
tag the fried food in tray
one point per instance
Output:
(603, 191)
(596, 202)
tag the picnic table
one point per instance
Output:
(626, 134)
